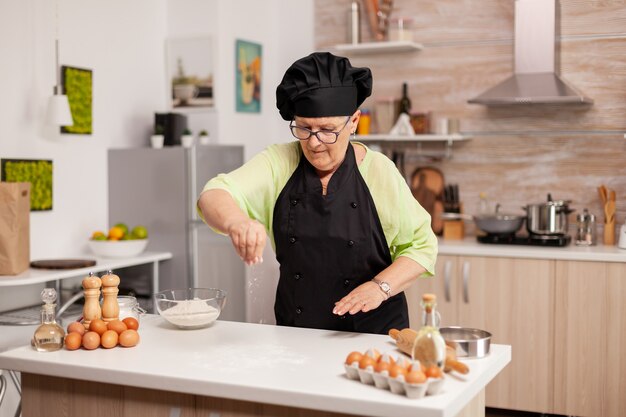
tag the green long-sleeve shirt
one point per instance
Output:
(256, 185)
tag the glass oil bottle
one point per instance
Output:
(429, 346)
(49, 335)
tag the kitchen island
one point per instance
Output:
(231, 367)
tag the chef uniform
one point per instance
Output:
(326, 245)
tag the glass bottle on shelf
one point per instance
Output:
(405, 101)
(49, 335)
(429, 346)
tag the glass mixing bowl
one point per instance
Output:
(191, 308)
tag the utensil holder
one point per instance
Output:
(453, 229)
(609, 233)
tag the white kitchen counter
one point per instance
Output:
(260, 363)
(37, 276)
(471, 247)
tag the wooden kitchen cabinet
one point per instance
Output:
(590, 335)
(444, 285)
(511, 298)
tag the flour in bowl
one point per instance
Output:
(189, 313)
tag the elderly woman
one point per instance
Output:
(347, 232)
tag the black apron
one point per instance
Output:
(327, 246)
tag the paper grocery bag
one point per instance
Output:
(14, 227)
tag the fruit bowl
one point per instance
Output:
(191, 308)
(117, 248)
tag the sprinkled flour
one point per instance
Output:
(190, 313)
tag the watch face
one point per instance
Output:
(385, 287)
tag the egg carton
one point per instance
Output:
(397, 385)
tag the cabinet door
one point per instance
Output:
(443, 284)
(590, 339)
(513, 299)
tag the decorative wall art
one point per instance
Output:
(190, 72)
(78, 85)
(38, 172)
(248, 78)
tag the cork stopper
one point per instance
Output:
(91, 282)
(429, 298)
(429, 301)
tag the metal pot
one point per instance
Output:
(469, 343)
(497, 223)
(549, 218)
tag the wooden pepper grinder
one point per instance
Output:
(91, 290)
(110, 307)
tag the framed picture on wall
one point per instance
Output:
(78, 86)
(190, 72)
(38, 172)
(248, 59)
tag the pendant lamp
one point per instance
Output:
(58, 112)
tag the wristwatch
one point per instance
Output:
(384, 286)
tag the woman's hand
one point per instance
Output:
(365, 297)
(248, 237)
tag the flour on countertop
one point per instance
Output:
(194, 312)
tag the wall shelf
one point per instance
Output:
(379, 47)
(427, 137)
(418, 140)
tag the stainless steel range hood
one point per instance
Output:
(535, 79)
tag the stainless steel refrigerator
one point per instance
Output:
(158, 188)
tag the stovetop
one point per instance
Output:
(529, 240)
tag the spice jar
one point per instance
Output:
(363, 128)
(129, 307)
(586, 229)
(400, 29)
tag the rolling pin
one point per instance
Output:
(405, 338)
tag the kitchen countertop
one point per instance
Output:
(470, 247)
(254, 362)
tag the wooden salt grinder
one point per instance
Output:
(91, 291)
(110, 307)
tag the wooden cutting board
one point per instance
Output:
(427, 187)
(62, 263)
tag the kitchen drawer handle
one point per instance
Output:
(446, 280)
(466, 273)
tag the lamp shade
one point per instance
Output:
(59, 111)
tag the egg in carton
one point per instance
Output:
(402, 376)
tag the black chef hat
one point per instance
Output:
(321, 85)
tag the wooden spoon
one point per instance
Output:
(609, 211)
(602, 193)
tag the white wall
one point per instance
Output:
(122, 43)
(127, 60)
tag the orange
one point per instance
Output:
(116, 233)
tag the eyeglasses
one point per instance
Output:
(324, 136)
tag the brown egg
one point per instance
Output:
(132, 323)
(91, 340)
(73, 340)
(433, 371)
(99, 326)
(415, 377)
(109, 339)
(396, 370)
(117, 326)
(353, 357)
(366, 361)
(382, 366)
(76, 327)
(129, 338)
